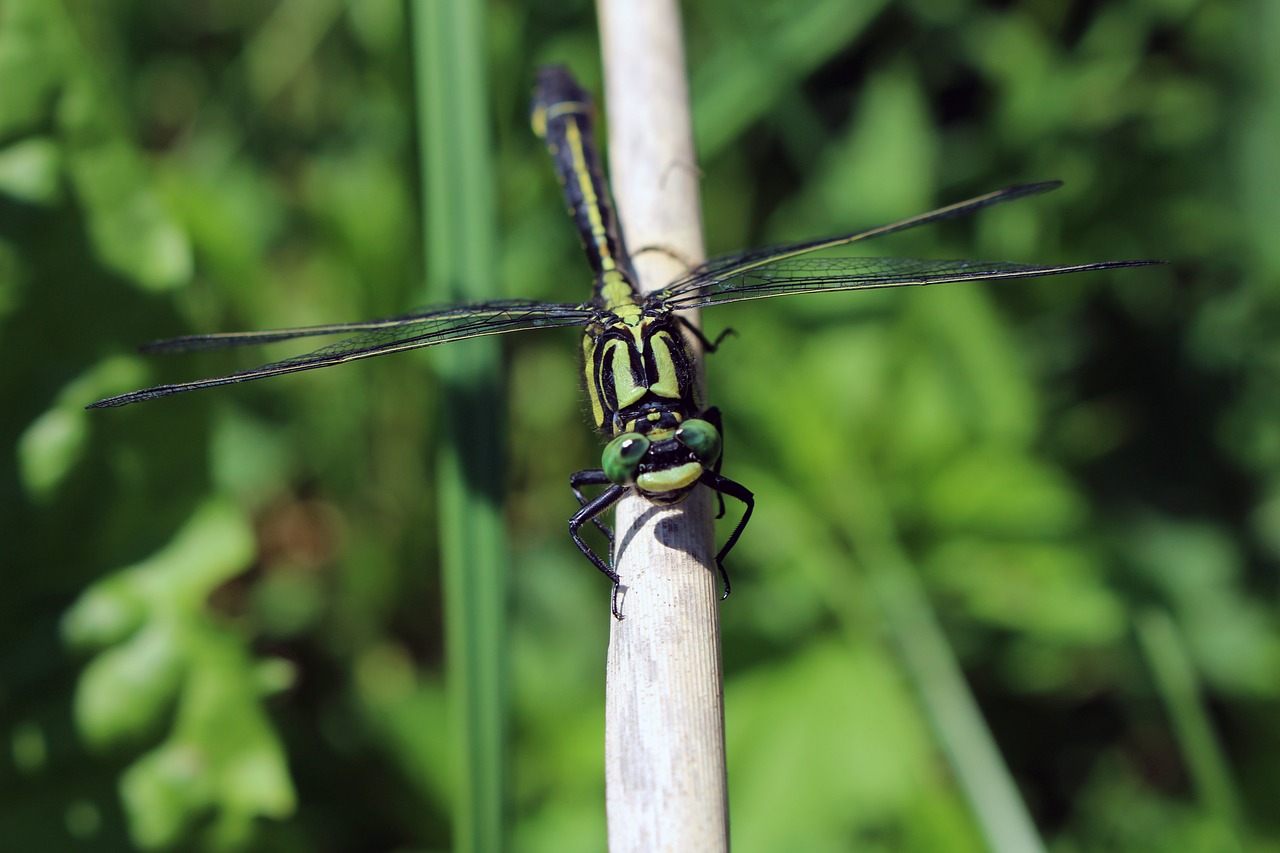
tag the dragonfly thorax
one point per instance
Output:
(635, 367)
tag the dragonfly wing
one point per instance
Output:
(378, 337)
(822, 275)
(443, 317)
(744, 261)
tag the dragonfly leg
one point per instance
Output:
(589, 511)
(708, 346)
(712, 416)
(725, 486)
(590, 477)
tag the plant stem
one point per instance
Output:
(458, 237)
(664, 727)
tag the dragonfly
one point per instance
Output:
(638, 368)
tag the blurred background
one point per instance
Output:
(222, 619)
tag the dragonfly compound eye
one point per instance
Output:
(702, 438)
(622, 458)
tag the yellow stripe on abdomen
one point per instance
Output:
(590, 198)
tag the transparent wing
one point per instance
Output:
(424, 328)
(822, 275)
(777, 270)
(730, 264)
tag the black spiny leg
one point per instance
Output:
(708, 345)
(590, 478)
(590, 511)
(725, 486)
(712, 416)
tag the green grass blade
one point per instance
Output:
(1179, 688)
(957, 721)
(953, 713)
(458, 212)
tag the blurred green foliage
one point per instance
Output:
(222, 623)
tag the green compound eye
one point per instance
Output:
(702, 438)
(622, 458)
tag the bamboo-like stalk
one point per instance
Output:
(664, 728)
(458, 238)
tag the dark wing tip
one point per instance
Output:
(1016, 191)
(1141, 263)
(166, 345)
(121, 400)
(149, 394)
(228, 340)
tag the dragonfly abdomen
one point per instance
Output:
(563, 117)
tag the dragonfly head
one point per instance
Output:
(664, 464)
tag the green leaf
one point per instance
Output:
(165, 792)
(1197, 568)
(1054, 593)
(31, 43)
(30, 171)
(50, 448)
(889, 155)
(131, 229)
(222, 767)
(1003, 492)
(832, 741)
(125, 691)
